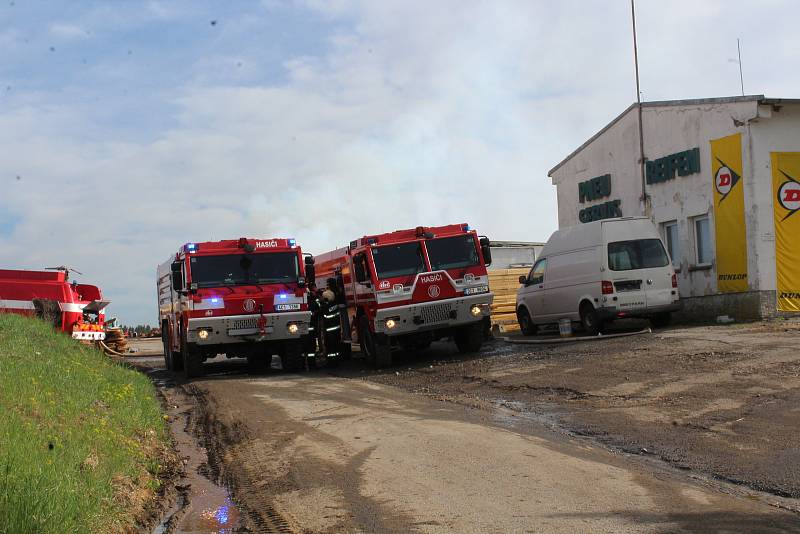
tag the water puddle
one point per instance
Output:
(203, 506)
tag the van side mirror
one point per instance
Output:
(523, 279)
(311, 271)
(486, 250)
(177, 276)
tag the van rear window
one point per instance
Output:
(636, 254)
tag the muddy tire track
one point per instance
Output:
(225, 446)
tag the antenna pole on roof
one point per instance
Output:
(639, 110)
(741, 77)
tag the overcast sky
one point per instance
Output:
(130, 128)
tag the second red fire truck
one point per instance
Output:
(242, 298)
(409, 288)
(77, 309)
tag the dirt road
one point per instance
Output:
(718, 400)
(352, 452)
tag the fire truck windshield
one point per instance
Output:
(452, 252)
(398, 260)
(244, 269)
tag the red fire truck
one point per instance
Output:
(242, 298)
(411, 287)
(77, 309)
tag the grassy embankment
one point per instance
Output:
(80, 436)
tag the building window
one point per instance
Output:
(670, 231)
(702, 240)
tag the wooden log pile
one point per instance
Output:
(504, 284)
(115, 340)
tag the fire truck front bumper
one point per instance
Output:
(248, 328)
(88, 335)
(434, 315)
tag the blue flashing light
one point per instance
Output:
(191, 247)
(214, 300)
(282, 296)
(467, 228)
(292, 242)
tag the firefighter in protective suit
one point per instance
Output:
(330, 324)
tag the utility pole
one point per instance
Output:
(741, 77)
(639, 110)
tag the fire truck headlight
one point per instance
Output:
(292, 328)
(475, 310)
(202, 333)
(390, 323)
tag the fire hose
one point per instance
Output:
(109, 350)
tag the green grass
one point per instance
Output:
(79, 434)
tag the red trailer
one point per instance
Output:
(77, 309)
(411, 287)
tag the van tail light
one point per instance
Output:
(608, 287)
(674, 280)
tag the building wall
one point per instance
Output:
(774, 131)
(676, 128)
(673, 128)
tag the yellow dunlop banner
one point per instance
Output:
(786, 192)
(726, 166)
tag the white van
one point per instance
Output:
(597, 272)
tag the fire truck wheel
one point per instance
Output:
(167, 352)
(177, 360)
(192, 361)
(376, 352)
(469, 338)
(258, 364)
(347, 351)
(292, 357)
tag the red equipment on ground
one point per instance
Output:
(242, 298)
(411, 287)
(77, 309)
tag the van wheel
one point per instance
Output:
(661, 320)
(591, 323)
(526, 323)
(469, 338)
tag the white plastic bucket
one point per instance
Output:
(565, 327)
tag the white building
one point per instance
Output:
(604, 178)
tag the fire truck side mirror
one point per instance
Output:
(360, 268)
(311, 271)
(177, 276)
(486, 250)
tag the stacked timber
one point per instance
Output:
(115, 340)
(504, 284)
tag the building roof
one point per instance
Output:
(761, 99)
(514, 244)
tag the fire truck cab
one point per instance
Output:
(411, 287)
(77, 309)
(242, 298)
